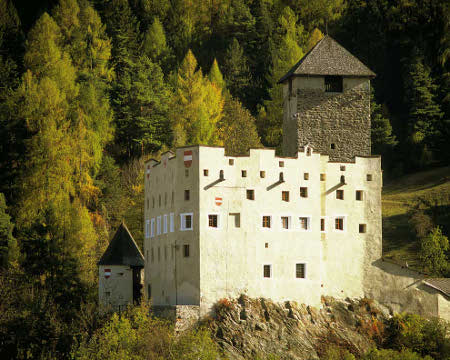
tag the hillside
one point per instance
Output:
(399, 197)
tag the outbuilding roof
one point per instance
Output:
(122, 250)
(327, 57)
(440, 284)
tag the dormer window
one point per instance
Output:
(333, 83)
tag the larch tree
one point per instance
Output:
(197, 106)
(215, 75)
(286, 51)
(313, 39)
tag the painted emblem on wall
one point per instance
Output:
(107, 273)
(188, 158)
(218, 201)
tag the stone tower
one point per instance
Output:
(327, 103)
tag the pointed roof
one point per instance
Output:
(122, 250)
(327, 57)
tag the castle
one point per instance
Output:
(287, 228)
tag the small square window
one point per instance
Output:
(266, 221)
(213, 221)
(362, 228)
(186, 250)
(322, 224)
(205, 172)
(221, 175)
(359, 195)
(251, 194)
(281, 163)
(369, 177)
(186, 222)
(333, 83)
(332, 146)
(285, 222)
(306, 176)
(340, 194)
(339, 223)
(266, 245)
(262, 174)
(322, 177)
(285, 195)
(244, 173)
(187, 195)
(186, 172)
(304, 192)
(300, 271)
(231, 162)
(267, 271)
(342, 167)
(304, 223)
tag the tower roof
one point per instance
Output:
(327, 57)
(122, 250)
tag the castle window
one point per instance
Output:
(359, 195)
(304, 192)
(231, 162)
(362, 228)
(300, 271)
(332, 146)
(322, 224)
(333, 83)
(213, 221)
(262, 174)
(158, 225)
(186, 221)
(172, 223)
(308, 151)
(187, 195)
(267, 271)
(159, 200)
(251, 194)
(369, 177)
(244, 173)
(237, 219)
(304, 223)
(339, 223)
(340, 194)
(186, 251)
(221, 176)
(285, 222)
(165, 224)
(266, 245)
(205, 172)
(152, 228)
(285, 195)
(281, 177)
(153, 202)
(342, 167)
(186, 172)
(153, 255)
(281, 163)
(322, 177)
(147, 229)
(266, 221)
(306, 176)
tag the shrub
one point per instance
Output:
(334, 352)
(385, 354)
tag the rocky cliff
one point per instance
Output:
(258, 328)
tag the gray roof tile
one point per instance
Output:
(440, 284)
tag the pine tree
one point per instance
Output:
(286, 51)
(215, 76)
(155, 44)
(238, 129)
(196, 106)
(9, 251)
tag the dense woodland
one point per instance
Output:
(91, 89)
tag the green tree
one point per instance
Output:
(155, 44)
(9, 251)
(314, 38)
(238, 129)
(215, 76)
(197, 106)
(285, 53)
(432, 252)
(382, 138)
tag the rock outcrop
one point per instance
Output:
(256, 328)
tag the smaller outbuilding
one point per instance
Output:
(120, 271)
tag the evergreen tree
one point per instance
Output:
(237, 73)
(238, 129)
(9, 251)
(432, 252)
(155, 45)
(382, 138)
(215, 76)
(314, 38)
(196, 106)
(285, 53)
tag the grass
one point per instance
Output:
(398, 197)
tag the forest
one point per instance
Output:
(90, 89)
